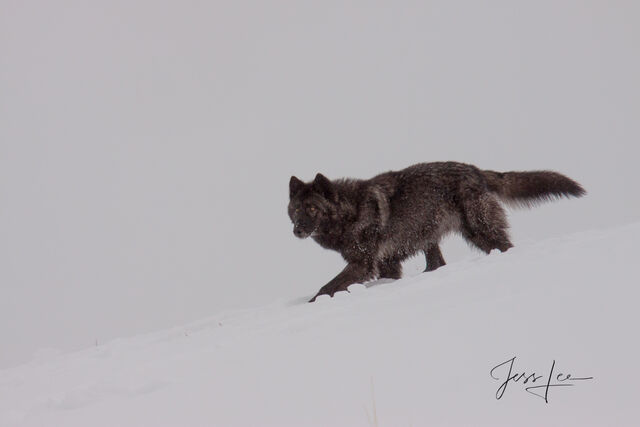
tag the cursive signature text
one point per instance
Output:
(544, 382)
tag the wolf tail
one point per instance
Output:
(530, 188)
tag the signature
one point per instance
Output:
(541, 389)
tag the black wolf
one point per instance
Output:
(377, 223)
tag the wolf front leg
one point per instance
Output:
(352, 273)
(434, 257)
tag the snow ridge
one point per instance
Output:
(417, 351)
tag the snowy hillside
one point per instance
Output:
(418, 351)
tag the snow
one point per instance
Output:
(417, 351)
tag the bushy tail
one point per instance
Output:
(529, 188)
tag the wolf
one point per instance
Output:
(377, 223)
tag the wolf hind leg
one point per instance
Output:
(433, 256)
(485, 224)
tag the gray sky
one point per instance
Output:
(146, 147)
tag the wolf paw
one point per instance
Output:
(320, 298)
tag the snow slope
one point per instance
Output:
(414, 352)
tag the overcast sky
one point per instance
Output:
(146, 146)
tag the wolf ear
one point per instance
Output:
(323, 186)
(295, 185)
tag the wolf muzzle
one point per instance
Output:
(300, 233)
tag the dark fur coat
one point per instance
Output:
(377, 223)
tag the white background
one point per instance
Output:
(146, 147)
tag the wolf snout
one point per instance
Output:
(299, 233)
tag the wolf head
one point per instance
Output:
(309, 204)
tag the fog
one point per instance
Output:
(146, 147)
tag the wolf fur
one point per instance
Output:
(377, 223)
